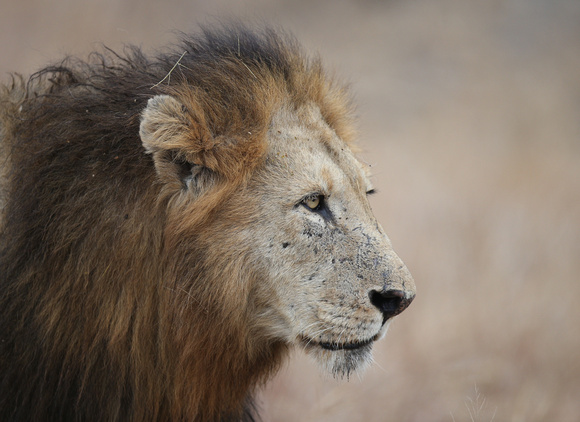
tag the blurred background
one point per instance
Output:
(470, 116)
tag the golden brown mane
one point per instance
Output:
(115, 302)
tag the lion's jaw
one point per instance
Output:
(329, 269)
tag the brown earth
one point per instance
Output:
(470, 116)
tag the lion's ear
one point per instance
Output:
(175, 139)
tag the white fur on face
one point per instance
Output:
(321, 264)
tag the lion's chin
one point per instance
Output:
(342, 359)
(341, 362)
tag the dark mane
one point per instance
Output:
(232, 69)
(83, 335)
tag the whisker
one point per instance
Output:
(374, 362)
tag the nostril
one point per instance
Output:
(390, 302)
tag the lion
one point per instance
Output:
(173, 225)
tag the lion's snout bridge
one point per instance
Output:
(391, 302)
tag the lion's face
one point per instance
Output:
(333, 280)
(297, 246)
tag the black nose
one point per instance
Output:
(390, 302)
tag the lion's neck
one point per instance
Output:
(216, 366)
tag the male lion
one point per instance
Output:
(171, 226)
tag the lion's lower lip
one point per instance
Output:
(340, 346)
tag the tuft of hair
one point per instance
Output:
(95, 321)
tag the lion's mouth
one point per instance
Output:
(334, 346)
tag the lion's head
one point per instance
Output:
(325, 276)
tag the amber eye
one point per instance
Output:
(314, 202)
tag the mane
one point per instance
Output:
(88, 276)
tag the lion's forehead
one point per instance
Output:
(305, 148)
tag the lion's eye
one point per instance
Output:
(313, 202)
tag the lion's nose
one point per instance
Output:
(391, 302)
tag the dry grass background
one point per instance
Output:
(470, 115)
